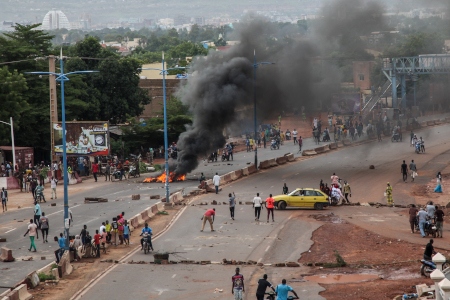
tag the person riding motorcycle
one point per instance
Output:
(422, 144)
(429, 251)
(146, 230)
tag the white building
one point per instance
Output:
(55, 19)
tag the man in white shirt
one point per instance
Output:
(257, 203)
(216, 182)
(102, 227)
(54, 168)
(294, 135)
(53, 183)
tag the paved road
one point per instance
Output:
(283, 240)
(350, 163)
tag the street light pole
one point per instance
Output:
(12, 142)
(166, 138)
(62, 77)
(255, 66)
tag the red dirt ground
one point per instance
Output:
(395, 261)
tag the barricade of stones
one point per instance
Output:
(94, 200)
(223, 262)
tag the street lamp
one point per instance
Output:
(62, 77)
(166, 140)
(12, 142)
(255, 66)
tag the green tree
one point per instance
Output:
(13, 88)
(118, 83)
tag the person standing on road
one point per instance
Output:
(422, 214)
(83, 234)
(37, 213)
(209, 215)
(263, 284)
(45, 225)
(53, 183)
(4, 197)
(270, 207)
(411, 138)
(237, 286)
(108, 231)
(32, 232)
(257, 203)
(285, 189)
(390, 200)
(300, 144)
(232, 202)
(413, 169)
(97, 238)
(126, 233)
(216, 182)
(347, 191)
(294, 135)
(404, 171)
(439, 220)
(413, 217)
(95, 170)
(108, 172)
(283, 289)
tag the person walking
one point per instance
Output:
(431, 210)
(45, 225)
(53, 183)
(95, 170)
(4, 197)
(37, 213)
(285, 189)
(216, 182)
(422, 215)
(263, 284)
(347, 191)
(388, 194)
(32, 233)
(232, 202)
(413, 217)
(300, 144)
(270, 207)
(404, 171)
(283, 289)
(438, 188)
(209, 215)
(237, 286)
(413, 169)
(62, 246)
(257, 203)
(439, 220)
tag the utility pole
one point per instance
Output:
(53, 104)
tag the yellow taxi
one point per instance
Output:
(302, 197)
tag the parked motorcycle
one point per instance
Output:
(134, 172)
(274, 145)
(396, 137)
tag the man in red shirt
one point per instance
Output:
(269, 205)
(95, 170)
(97, 238)
(209, 215)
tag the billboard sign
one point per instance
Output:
(346, 104)
(83, 138)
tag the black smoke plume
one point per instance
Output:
(222, 82)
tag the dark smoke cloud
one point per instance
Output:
(222, 83)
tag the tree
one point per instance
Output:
(118, 83)
(13, 88)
